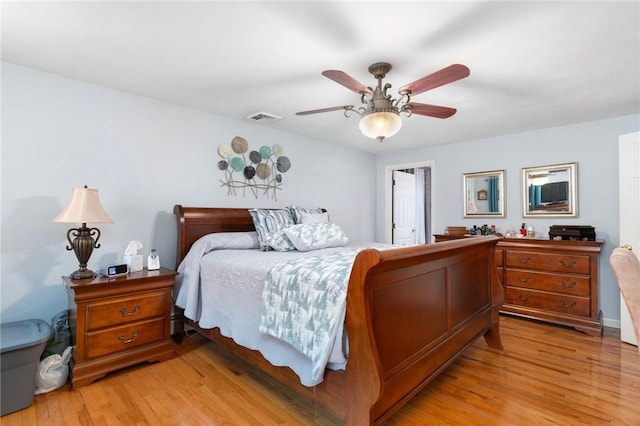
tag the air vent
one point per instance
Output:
(263, 116)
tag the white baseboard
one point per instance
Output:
(611, 323)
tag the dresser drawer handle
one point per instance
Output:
(523, 280)
(567, 305)
(569, 284)
(523, 259)
(125, 341)
(569, 264)
(524, 298)
(124, 312)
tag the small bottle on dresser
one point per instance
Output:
(523, 230)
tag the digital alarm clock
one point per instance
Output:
(115, 270)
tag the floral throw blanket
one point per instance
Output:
(304, 301)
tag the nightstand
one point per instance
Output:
(118, 322)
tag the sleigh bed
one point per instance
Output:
(410, 313)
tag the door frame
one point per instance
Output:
(388, 194)
(629, 165)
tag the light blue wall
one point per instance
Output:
(593, 145)
(144, 156)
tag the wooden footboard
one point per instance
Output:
(410, 312)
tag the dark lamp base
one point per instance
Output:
(82, 273)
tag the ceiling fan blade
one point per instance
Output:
(430, 110)
(316, 111)
(439, 78)
(346, 80)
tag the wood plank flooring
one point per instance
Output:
(546, 375)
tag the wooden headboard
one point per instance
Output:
(195, 222)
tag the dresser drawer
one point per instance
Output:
(567, 263)
(125, 309)
(578, 285)
(125, 337)
(561, 303)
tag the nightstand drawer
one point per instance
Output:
(573, 264)
(125, 309)
(568, 284)
(125, 337)
(554, 302)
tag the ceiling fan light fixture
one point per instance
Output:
(380, 113)
(380, 124)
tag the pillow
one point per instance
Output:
(268, 222)
(314, 217)
(297, 211)
(218, 241)
(280, 242)
(314, 236)
(228, 240)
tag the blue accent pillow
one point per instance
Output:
(279, 241)
(268, 222)
(315, 236)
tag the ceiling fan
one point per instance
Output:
(380, 112)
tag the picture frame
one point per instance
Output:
(484, 194)
(550, 191)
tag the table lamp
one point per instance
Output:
(83, 208)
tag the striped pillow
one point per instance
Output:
(268, 223)
(296, 212)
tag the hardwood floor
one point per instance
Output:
(546, 375)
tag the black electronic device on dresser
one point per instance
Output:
(572, 232)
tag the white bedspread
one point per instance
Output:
(222, 287)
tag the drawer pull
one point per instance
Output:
(125, 341)
(568, 264)
(524, 298)
(124, 312)
(523, 280)
(569, 284)
(523, 259)
(569, 305)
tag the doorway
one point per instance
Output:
(408, 212)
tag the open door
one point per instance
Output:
(395, 214)
(404, 194)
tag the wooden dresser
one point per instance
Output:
(118, 322)
(550, 280)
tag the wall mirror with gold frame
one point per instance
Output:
(484, 194)
(550, 191)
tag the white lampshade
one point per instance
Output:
(380, 124)
(84, 207)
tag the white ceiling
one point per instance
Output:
(533, 64)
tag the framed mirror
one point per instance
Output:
(484, 194)
(549, 191)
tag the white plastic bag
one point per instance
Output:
(53, 372)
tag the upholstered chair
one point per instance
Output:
(626, 267)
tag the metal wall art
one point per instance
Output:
(260, 171)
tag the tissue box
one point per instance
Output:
(134, 261)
